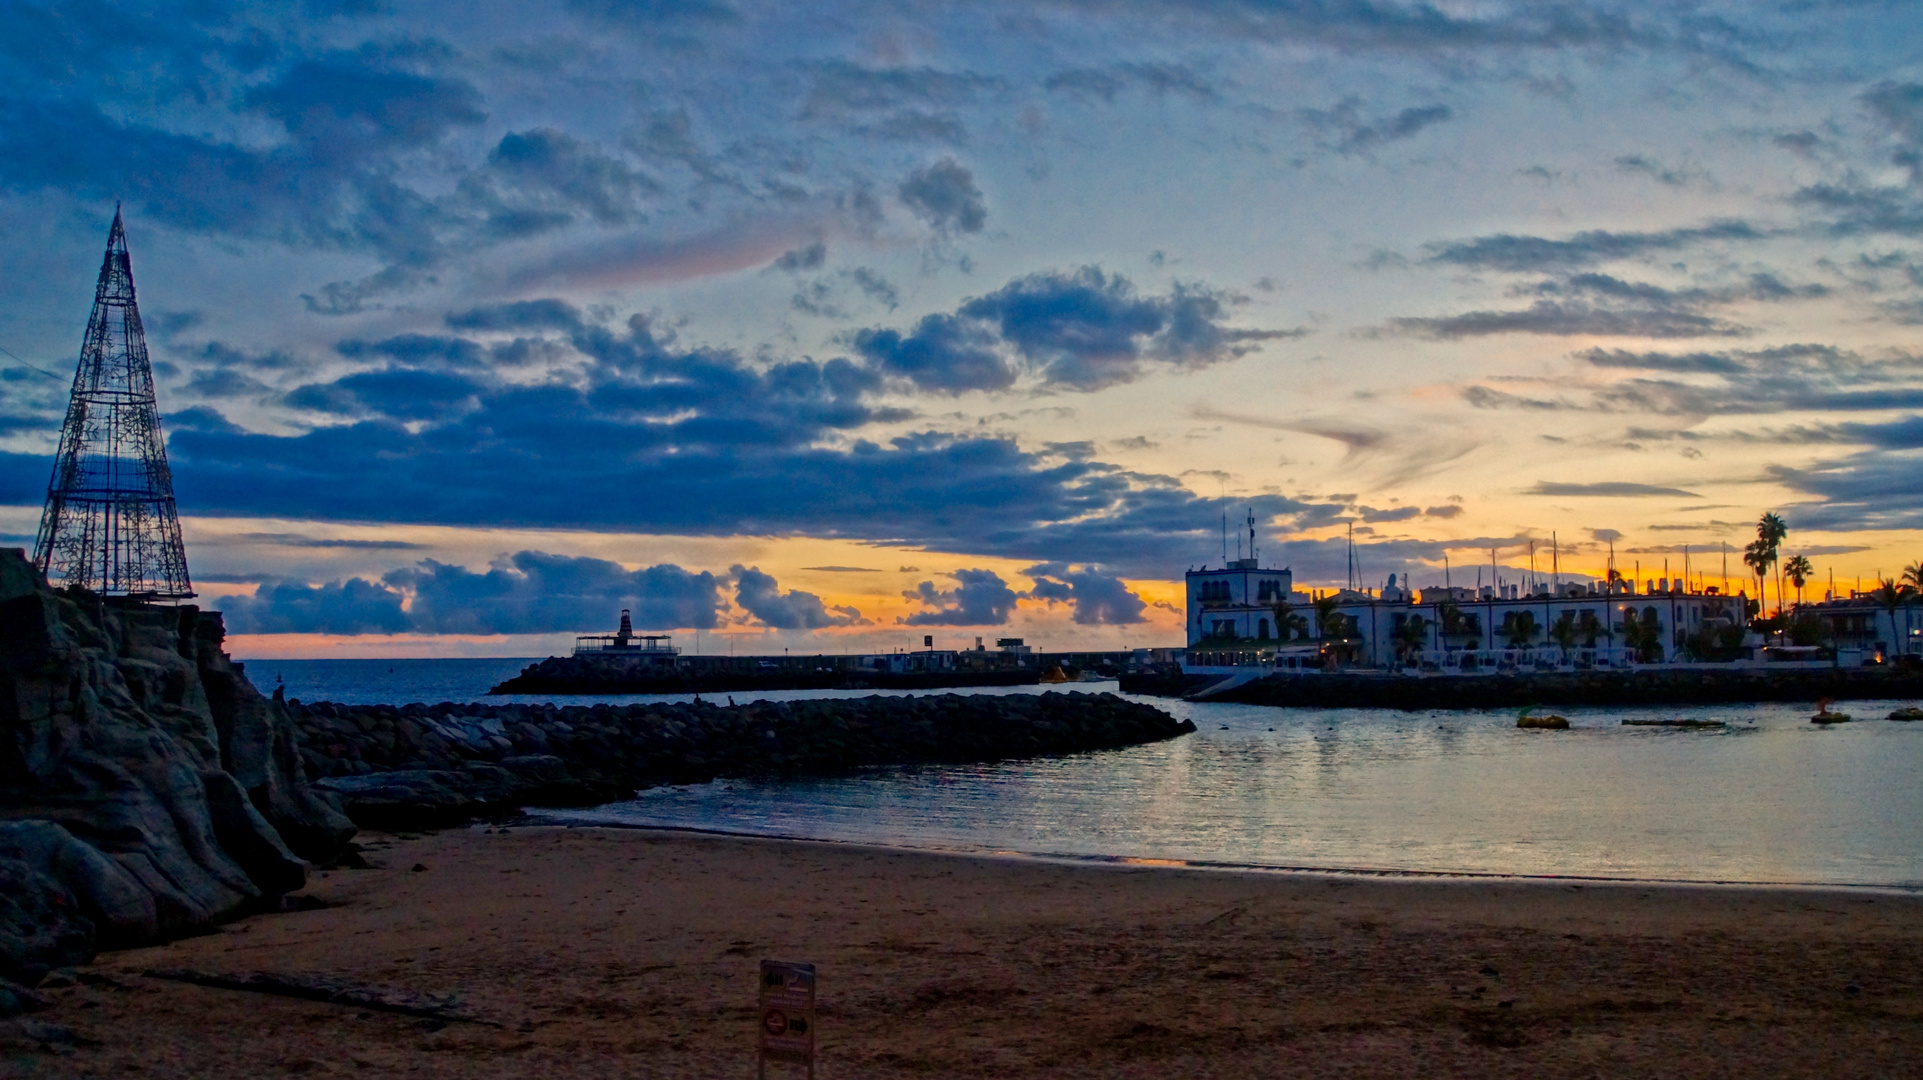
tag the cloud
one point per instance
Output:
(1874, 489)
(354, 606)
(1609, 489)
(533, 592)
(979, 598)
(759, 595)
(1605, 536)
(810, 257)
(1105, 83)
(1700, 363)
(1523, 254)
(844, 569)
(1577, 318)
(297, 541)
(1800, 377)
(1352, 133)
(1099, 599)
(944, 195)
(1445, 512)
(1081, 331)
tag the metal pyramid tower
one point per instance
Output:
(110, 525)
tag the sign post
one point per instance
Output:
(787, 1015)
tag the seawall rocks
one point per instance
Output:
(146, 788)
(616, 674)
(420, 765)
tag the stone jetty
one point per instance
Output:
(425, 765)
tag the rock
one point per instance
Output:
(1547, 723)
(41, 927)
(16, 999)
(145, 785)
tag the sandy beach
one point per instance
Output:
(602, 953)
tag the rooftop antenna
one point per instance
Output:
(1685, 567)
(1445, 568)
(1555, 560)
(1225, 536)
(1610, 577)
(1726, 569)
(1532, 566)
(1252, 555)
(1351, 584)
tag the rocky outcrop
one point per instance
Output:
(146, 788)
(422, 765)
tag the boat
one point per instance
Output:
(1825, 716)
(1907, 712)
(1055, 674)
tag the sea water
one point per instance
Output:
(1769, 797)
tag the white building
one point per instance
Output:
(1233, 621)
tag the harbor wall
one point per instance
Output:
(1692, 686)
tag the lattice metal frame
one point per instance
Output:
(110, 525)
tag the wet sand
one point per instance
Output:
(604, 953)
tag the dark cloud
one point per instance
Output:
(979, 598)
(297, 541)
(632, 433)
(841, 88)
(340, 105)
(1680, 363)
(354, 606)
(1783, 378)
(1351, 132)
(537, 180)
(1874, 489)
(1614, 489)
(803, 258)
(1099, 599)
(395, 393)
(1107, 82)
(1082, 331)
(1646, 166)
(1572, 318)
(533, 592)
(1524, 254)
(944, 195)
(519, 315)
(759, 595)
(1445, 512)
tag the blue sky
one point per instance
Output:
(829, 325)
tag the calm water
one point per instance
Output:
(1769, 798)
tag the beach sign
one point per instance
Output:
(787, 1015)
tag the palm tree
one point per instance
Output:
(1410, 636)
(1519, 627)
(1757, 557)
(1771, 531)
(1913, 576)
(1329, 620)
(1892, 595)
(1798, 570)
(1563, 633)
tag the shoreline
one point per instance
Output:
(560, 820)
(589, 952)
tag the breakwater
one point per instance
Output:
(603, 674)
(1693, 686)
(426, 765)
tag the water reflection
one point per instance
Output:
(1768, 797)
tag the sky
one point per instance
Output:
(831, 326)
